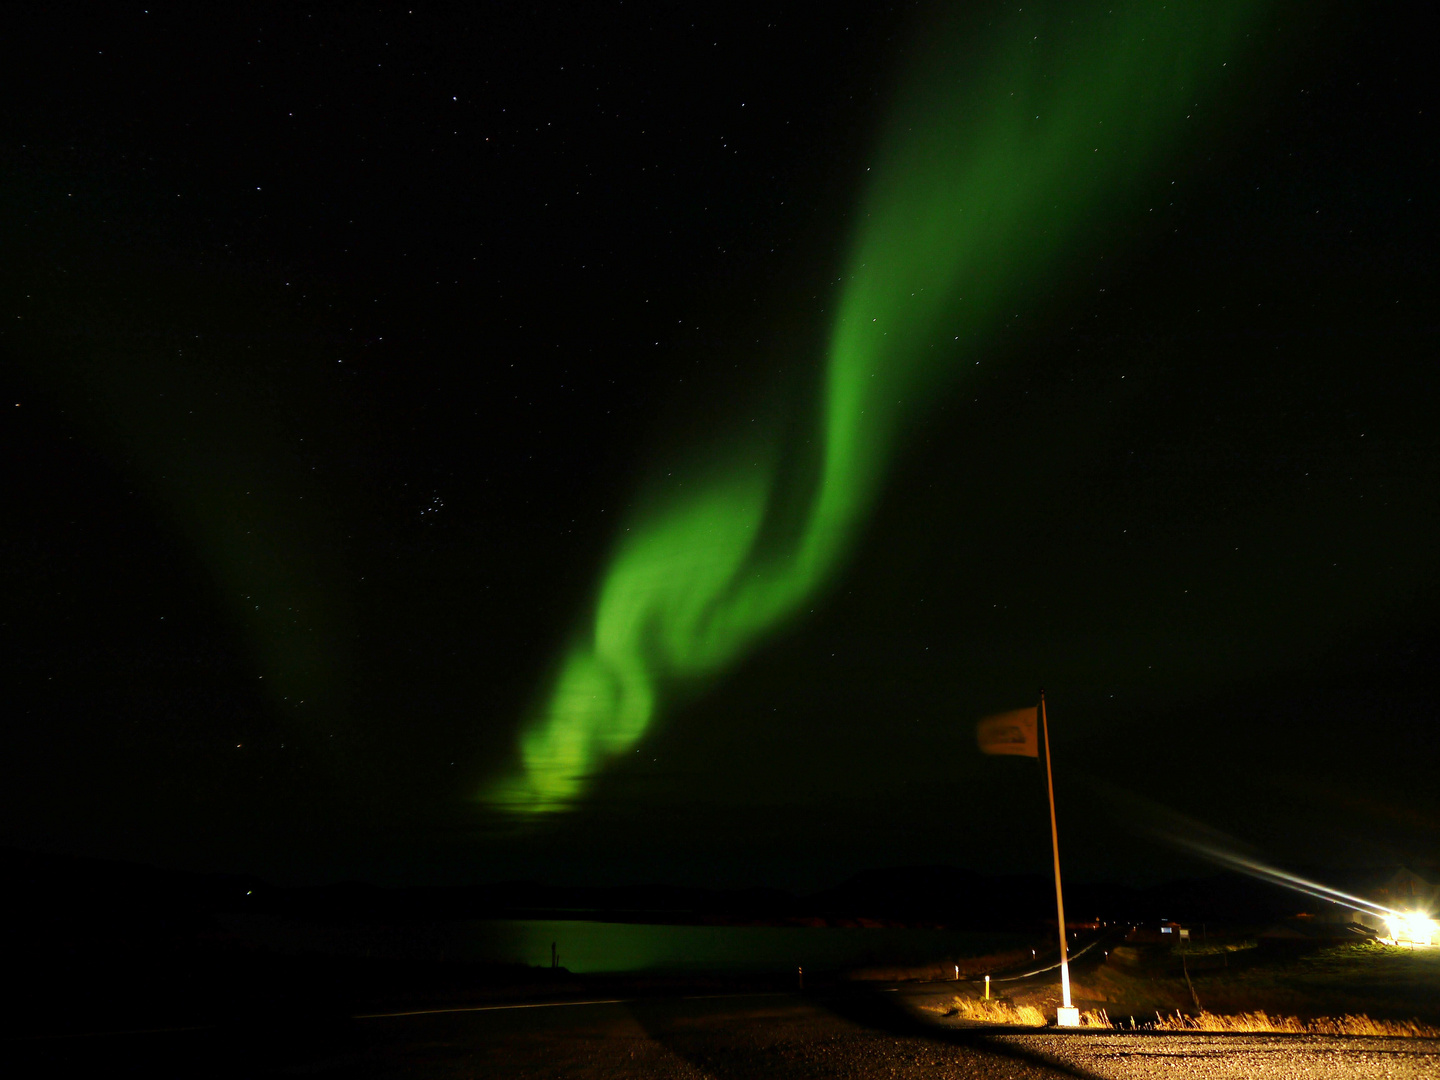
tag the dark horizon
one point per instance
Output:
(342, 349)
(90, 899)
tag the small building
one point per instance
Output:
(1162, 934)
(1406, 890)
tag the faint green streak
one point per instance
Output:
(989, 176)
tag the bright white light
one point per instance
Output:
(1412, 927)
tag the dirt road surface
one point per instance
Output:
(754, 1037)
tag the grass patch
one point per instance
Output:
(1353, 979)
(1261, 1021)
(1217, 949)
(994, 1011)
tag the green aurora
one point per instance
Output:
(990, 178)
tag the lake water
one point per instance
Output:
(636, 947)
(589, 947)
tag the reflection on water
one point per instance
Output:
(585, 946)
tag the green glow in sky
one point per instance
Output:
(1002, 161)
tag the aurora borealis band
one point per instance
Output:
(625, 444)
(990, 175)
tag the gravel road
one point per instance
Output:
(756, 1037)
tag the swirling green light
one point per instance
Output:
(988, 178)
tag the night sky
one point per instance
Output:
(342, 344)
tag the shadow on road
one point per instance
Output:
(882, 1011)
(839, 1031)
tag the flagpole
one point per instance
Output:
(1055, 846)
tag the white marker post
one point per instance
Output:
(1067, 1015)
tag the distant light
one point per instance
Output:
(1413, 928)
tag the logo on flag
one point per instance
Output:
(1009, 733)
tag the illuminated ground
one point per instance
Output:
(1396, 983)
(767, 1036)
